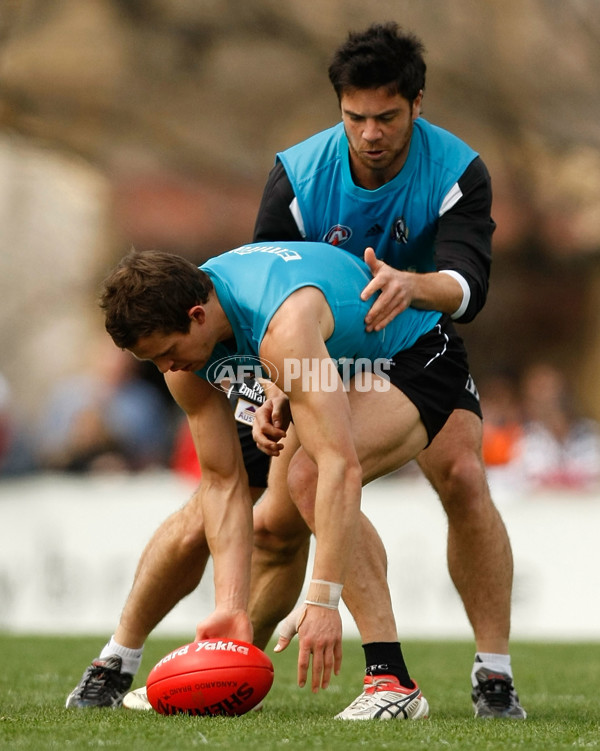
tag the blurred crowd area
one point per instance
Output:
(534, 432)
(116, 416)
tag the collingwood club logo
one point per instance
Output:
(400, 230)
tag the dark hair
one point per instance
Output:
(149, 292)
(383, 55)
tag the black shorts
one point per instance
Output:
(256, 463)
(434, 375)
(469, 399)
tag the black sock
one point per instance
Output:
(385, 658)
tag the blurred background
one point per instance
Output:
(154, 123)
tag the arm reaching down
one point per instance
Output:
(225, 501)
(322, 419)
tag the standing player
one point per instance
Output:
(385, 177)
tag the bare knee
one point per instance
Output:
(461, 483)
(279, 533)
(189, 533)
(279, 546)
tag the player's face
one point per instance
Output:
(379, 127)
(176, 351)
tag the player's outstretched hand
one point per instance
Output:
(320, 635)
(396, 292)
(225, 624)
(270, 425)
(322, 638)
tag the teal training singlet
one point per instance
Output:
(399, 219)
(252, 282)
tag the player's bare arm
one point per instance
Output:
(225, 501)
(322, 420)
(401, 289)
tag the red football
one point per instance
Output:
(211, 677)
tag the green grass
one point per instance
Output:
(559, 685)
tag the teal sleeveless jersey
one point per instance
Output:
(252, 282)
(399, 219)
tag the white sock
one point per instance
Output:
(132, 658)
(490, 661)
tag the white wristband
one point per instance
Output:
(466, 290)
(324, 594)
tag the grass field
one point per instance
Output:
(559, 685)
